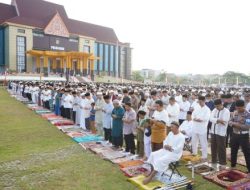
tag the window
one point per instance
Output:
(101, 57)
(21, 31)
(106, 61)
(112, 58)
(96, 55)
(73, 40)
(21, 56)
(86, 49)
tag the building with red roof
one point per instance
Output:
(38, 36)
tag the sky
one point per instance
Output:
(178, 36)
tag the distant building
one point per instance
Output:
(38, 36)
(149, 73)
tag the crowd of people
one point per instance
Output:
(153, 121)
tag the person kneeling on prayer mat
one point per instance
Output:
(171, 152)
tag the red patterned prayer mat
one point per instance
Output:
(130, 163)
(62, 122)
(227, 178)
(135, 171)
(243, 186)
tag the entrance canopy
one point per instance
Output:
(79, 62)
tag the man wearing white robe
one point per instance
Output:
(82, 106)
(201, 116)
(186, 128)
(99, 104)
(171, 152)
(173, 110)
(184, 108)
(78, 110)
(107, 118)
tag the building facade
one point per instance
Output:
(38, 36)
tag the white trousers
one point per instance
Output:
(202, 138)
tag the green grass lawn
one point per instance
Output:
(35, 155)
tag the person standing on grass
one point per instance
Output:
(129, 120)
(74, 105)
(99, 104)
(173, 110)
(107, 109)
(67, 102)
(184, 108)
(219, 118)
(92, 118)
(201, 116)
(117, 124)
(240, 122)
(159, 124)
(47, 97)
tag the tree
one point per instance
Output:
(136, 76)
(161, 77)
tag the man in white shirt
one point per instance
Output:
(87, 109)
(193, 102)
(99, 104)
(184, 108)
(47, 97)
(219, 117)
(173, 110)
(107, 109)
(186, 128)
(160, 114)
(178, 97)
(201, 116)
(165, 98)
(247, 102)
(68, 104)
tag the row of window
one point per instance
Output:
(108, 54)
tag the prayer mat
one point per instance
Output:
(240, 160)
(75, 134)
(176, 181)
(191, 158)
(119, 160)
(42, 111)
(243, 186)
(64, 128)
(48, 115)
(150, 186)
(37, 108)
(111, 155)
(90, 145)
(52, 118)
(227, 178)
(201, 168)
(130, 163)
(186, 153)
(101, 149)
(89, 138)
(62, 122)
(135, 170)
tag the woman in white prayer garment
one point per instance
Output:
(171, 152)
